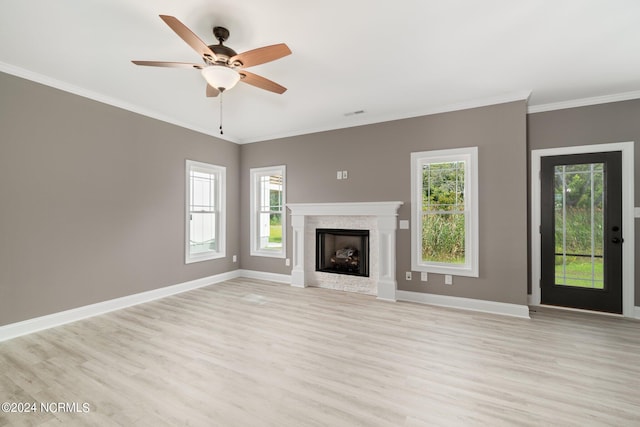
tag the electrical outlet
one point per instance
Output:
(424, 276)
(234, 258)
(339, 175)
(448, 279)
(408, 275)
(287, 262)
(345, 174)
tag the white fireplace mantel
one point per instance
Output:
(386, 214)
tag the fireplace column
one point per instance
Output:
(297, 270)
(386, 257)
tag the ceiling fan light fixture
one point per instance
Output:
(220, 77)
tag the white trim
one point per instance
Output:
(105, 99)
(628, 226)
(109, 100)
(365, 119)
(484, 306)
(583, 102)
(263, 275)
(346, 209)
(37, 324)
(254, 174)
(418, 159)
(579, 310)
(221, 208)
(475, 103)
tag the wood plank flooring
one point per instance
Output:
(254, 353)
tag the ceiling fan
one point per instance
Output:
(223, 67)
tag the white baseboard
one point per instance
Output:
(493, 307)
(29, 326)
(261, 275)
(56, 319)
(634, 315)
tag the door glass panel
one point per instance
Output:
(578, 223)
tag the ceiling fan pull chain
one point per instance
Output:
(221, 133)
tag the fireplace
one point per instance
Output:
(342, 251)
(380, 218)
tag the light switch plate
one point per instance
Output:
(345, 175)
(339, 175)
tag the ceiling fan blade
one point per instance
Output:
(212, 92)
(261, 82)
(261, 55)
(188, 36)
(169, 64)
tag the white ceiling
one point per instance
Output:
(392, 59)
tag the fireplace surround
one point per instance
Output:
(306, 217)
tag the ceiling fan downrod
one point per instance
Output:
(221, 132)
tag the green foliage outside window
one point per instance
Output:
(443, 238)
(443, 219)
(579, 206)
(275, 220)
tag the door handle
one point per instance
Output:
(617, 240)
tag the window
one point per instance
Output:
(205, 212)
(268, 218)
(444, 199)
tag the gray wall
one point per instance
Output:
(92, 196)
(597, 124)
(378, 160)
(92, 199)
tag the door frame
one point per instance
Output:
(628, 217)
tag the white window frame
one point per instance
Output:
(255, 175)
(418, 159)
(220, 204)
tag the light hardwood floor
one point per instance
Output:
(254, 353)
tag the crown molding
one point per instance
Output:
(99, 97)
(584, 102)
(362, 121)
(522, 95)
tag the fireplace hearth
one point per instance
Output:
(342, 251)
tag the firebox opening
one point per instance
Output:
(342, 251)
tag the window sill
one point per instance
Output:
(453, 271)
(206, 257)
(269, 254)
